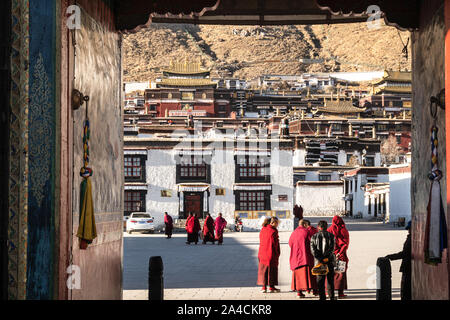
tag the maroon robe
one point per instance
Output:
(268, 256)
(342, 241)
(301, 260)
(208, 229)
(300, 249)
(168, 221)
(220, 225)
(193, 225)
(192, 228)
(311, 231)
(187, 220)
(298, 212)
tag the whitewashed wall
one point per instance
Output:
(377, 159)
(222, 176)
(342, 158)
(360, 202)
(299, 157)
(359, 205)
(254, 224)
(320, 200)
(282, 180)
(400, 196)
(161, 175)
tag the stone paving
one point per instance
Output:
(229, 272)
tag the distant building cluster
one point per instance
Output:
(332, 143)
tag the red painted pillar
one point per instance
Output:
(447, 115)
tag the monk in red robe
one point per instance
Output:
(268, 255)
(192, 228)
(301, 261)
(168, 221)
(342, 240)
(311, 230)
(186, 227)
(208, 230)
(220, 225)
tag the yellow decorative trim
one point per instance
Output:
(187, 82)
(395, 76)
(185, 67)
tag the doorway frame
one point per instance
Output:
(5, 91)
(201, 194)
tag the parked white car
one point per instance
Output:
(140, 221)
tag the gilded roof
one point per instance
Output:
(339, 106)
(186, 82)
(185, 67)
(395, 89)
(395, 76)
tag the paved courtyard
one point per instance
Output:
(229, 272)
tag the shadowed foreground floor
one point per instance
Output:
(228, 272)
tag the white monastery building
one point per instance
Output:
(237, 176)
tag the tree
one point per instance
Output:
(390, 149)
(353, 161)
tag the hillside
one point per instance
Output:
(228, 50)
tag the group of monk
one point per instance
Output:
(310, 247)
(212, 231)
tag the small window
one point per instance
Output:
(166, 193)
(282, 197)
(302, 177)
(187, 96)
(324, 177)
(193, 167)
(220, 192)
(349, 156)
(370, 161)
(252, 200)
(252, 167)
(133, 167)
(140, 215)
(134, 201)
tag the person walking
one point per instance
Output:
(220, 225)
(193, 227)
(405, 267)
(208, 230)
(189, 217)
(168, 221)
(301, 261)
(298, 215)
(322, 248)
(268, 255)
(342, 241)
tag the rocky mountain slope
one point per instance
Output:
(249, 51)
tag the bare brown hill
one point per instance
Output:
(249, 51)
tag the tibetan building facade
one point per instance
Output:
(222, 171)
(185, 89)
